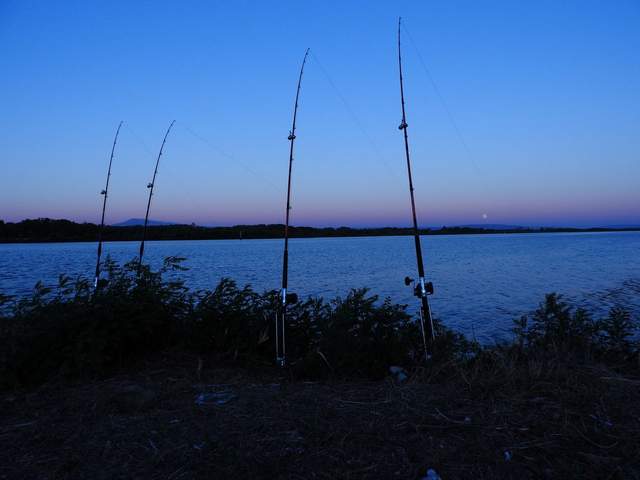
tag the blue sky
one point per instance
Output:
(533, 120)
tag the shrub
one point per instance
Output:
(356, 335)
(616, 333)
(230, 321)
(71, 331)
(557, 330)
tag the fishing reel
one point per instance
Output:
(417, 291)
(403, 126)
(103, 192)
(149, 185)
(291, 136)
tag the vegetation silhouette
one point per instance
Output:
(50, 230)
(70, 331)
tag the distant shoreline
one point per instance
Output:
(62, 231)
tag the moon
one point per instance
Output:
(484, 216)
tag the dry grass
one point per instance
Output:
(522, 422)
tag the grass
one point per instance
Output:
(524, 422)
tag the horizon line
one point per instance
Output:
(488, 226)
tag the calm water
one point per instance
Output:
(481, 282)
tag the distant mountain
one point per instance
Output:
(622, 226)
(493, 226)
(134, 222)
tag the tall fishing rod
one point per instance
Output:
(422, 289)
(287, 298)
(104, 194)
(150, 187)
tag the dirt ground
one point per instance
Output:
(171, 418)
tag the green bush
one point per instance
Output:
(616, 334)
(71, 331)
(230, 321)
(558, 330)
(357, 335)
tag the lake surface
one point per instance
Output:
(482, 282)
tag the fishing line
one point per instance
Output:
(456, 128)
(354, 117)
(221, 152)
(421, 288)
(140, 140)
(450, 116)
(443, 102)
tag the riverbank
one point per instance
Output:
(534, 421)
(45, 230)
(146, 379)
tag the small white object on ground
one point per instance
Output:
(432, 475)
(215, 398)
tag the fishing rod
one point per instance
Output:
(287, 298)
(150, 187)
(104, 194)
(422, 289)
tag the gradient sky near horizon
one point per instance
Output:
(519, 112)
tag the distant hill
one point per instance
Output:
(493, 226)
(622, 226)
(135, 222)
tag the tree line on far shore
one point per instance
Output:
(52, 230)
